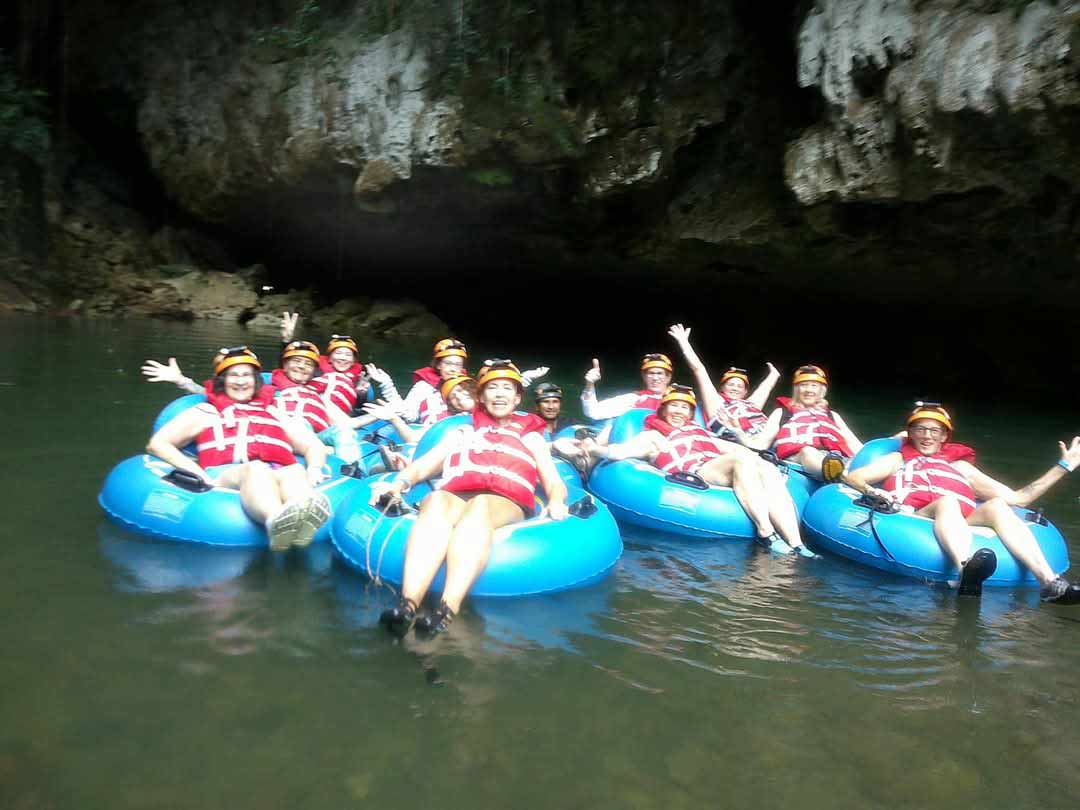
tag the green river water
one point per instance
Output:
(151, 675)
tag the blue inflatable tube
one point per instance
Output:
(535, 556)
(137, 496)
(538, 555)
(904, 543)
(642, 495)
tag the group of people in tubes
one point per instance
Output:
(249, 435)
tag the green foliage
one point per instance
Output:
(22, 117)
(304, 39)
(492, 178)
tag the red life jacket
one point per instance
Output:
(923, 479)
(432, 409)
(494, 459)
(750, 417)
(808, 427)
(688, 447)
(300, 400)
(648, 399)
(243, 431)
(427, 374)
(337, 387)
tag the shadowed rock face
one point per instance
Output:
(862, 150)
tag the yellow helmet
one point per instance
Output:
(450, 383)
(301, 348)
(449, 347)
(342, 342)
(734, 373)
(235, 356)
(498, 370)
(809, 373)
(678, 393)
(656, 360)
(931, 410)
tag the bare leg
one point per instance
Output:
(428, 542)
(782, 510)
(470, 543)
(1017, 538)
(950, 528)
(258, 489)
(292, 483)
(810, 459)
(737, 470)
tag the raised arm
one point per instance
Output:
(160, 372)
(849, 435)
(986, 487)
(288, 325)
(711, 403)
(765, 388)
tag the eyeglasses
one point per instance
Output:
(923, 430)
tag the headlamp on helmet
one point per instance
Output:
(656, 360)
(342, 342)
(548, 390)
(809, 373)
(678, 393)
(234, 356)
(301, 348)
(931, 410)
(498, 370)
(734, 373)
(449, 347)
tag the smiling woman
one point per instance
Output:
(491, 470)
(245, 443)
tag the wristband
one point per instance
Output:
(1065, 466)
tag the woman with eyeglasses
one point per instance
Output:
(490, 471)
(246, 443)
(673, 443)
(656, 370)
(729, 405)
(938, 479)
(804, 428)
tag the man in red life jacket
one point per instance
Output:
(490, 472)
(655, 377)
(245, 443)
(804, 428)
(728, 405)
(672, 442)
(938, 479)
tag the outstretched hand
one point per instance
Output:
(680, 333)
(159, 372)
(537, 373)
(1071, 454)
(376, 374)
(379, 409)
(773, 371)
(592, 376)
(288, 325)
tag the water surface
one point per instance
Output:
(149, 675)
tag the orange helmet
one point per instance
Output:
(449, 347)
(931, 410)
(342, 342)
(678, 393)
(734, 373)
(809, 373)
(225, 358)
(451, 383)
(301, 348)
(656, 360)
(498, 370)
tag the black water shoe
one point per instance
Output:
(1060, 592)
(435, 622)
(399, 618)
(982, 564)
